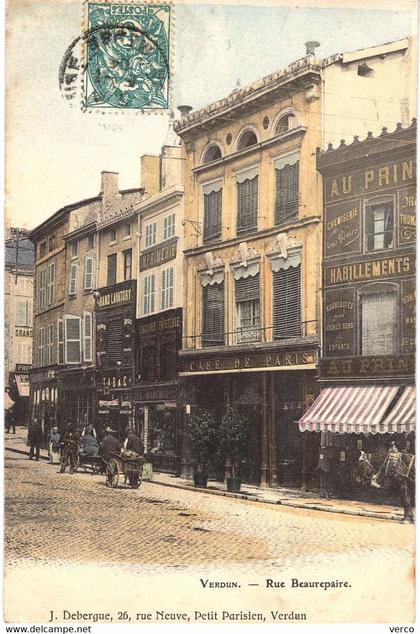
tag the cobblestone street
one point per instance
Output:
(74, 526)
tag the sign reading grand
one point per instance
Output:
(269, 360)
(370, 270)
(370, 180)
(117, 295)
(158, 255)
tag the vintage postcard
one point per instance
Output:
(209, 326)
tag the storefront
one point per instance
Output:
(115, 318)
(270, 388)
(77, 389)
(20, 390)
(156, 395)
(44, 398)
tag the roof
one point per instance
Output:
(25, 253)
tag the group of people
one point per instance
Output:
(65, 448)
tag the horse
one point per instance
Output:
(399, 467)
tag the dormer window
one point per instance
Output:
(247, 139)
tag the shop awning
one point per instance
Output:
(8, 402)
(22, 383)
(402, 417)
(345, 410)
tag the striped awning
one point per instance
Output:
(346, 410)
(402, 417)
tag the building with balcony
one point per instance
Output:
(252, 242)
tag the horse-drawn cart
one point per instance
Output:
(90, 464)
(126, 464)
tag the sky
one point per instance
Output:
(55, 152)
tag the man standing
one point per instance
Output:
(109, 445)
(35, 438)
(133, 443)
(69, 455)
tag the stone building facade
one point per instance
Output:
(252, 244)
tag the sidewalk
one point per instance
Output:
(294, 498)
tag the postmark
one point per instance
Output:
(122, 58)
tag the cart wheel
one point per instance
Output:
(134, 480)
(112, 474)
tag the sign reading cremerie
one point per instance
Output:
(158, 255)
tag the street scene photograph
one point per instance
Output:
(209, 316)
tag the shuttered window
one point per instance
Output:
(169, 227)
(287, 303)
(379, 323)
(112, 270)
(50, 282)
(50, 344)
(60, 341)
(127, 264)
(212, 229)
(87, 336)
(72, 279)
(148, 294)
(167, 289)
(248, 319)
(379, 225)
(213, 315)
(115, 340)
(150, 234)
(72, 328)
(247, 210)
(88, 273)
(287, 193)
(42, 297)
(41, 346)
(149, 363)
(23, 313)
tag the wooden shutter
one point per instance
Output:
(212, 216)
(87, 336)
(287, 303)
(287, 193)
(247, 288)
(379, 324)
(72, 280)
(51, 281)
(60, 342)
(247, 193)
(213, 315)
(149, 363)
(88, 273)
(115, 339)
(72, 328)
(112, 269)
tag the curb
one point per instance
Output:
(23, 452)
(253, 498)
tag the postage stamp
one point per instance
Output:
(126, 54)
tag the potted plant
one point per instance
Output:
(202, 432)
(233, 438)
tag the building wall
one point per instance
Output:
(18, 336)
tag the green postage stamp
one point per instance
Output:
(126, 55)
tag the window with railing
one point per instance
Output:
(287, 303)
(247, 202)
(248, 317)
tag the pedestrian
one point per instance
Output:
(35, 438)
(89, 445)
(89, 430)
(325, 466)
(70, 450)
(133, 443)
(54, 445)
(109, 445)
(10, 421)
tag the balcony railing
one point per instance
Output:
(251, 334)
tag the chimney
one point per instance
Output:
(150, 174)
(109, 184)
(184, 110)
(311, 46)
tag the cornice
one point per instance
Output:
(161, 202)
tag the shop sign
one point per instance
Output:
(116, 381)
(166, 322)
(23, 332)
(113, 403)
(407, 215)
(23, 367)
(170, 405)
(272, 361)
(343, 229)
(156, 393)
(408, 315)
(339, 322)
(369, 180)
(52, 374)
(115, 298)
(158, 255)
(370, 270)
(125, 403)
(368, 367)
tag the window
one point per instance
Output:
(247, 203)
(287, 188)
(43, 249)
(213, 315)
(212, 226)
(112, 270)
(212, 154)
(379, 317)
(167, 288)
(24, 353)
(51, 243)
(247, 139)
(72, 339)
(127, 264)
(149, 363)
(151, 234)
(169, 227)
(379, 225)
(41, 346)
(23, 313)
(50, 282)
(88, 284)
(112, 235)
(167, 359)
(115, 340)
(286, 303)
(72, 279)
(149, 294)
(127, 229)
(87, 336)
(286, 123)
(50, 344)
(91, 241)
(247, 291)
(60, 341)
(74, 249)
(42, 297)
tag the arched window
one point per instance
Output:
(212, 153)
(286, 122)
(247, 139)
